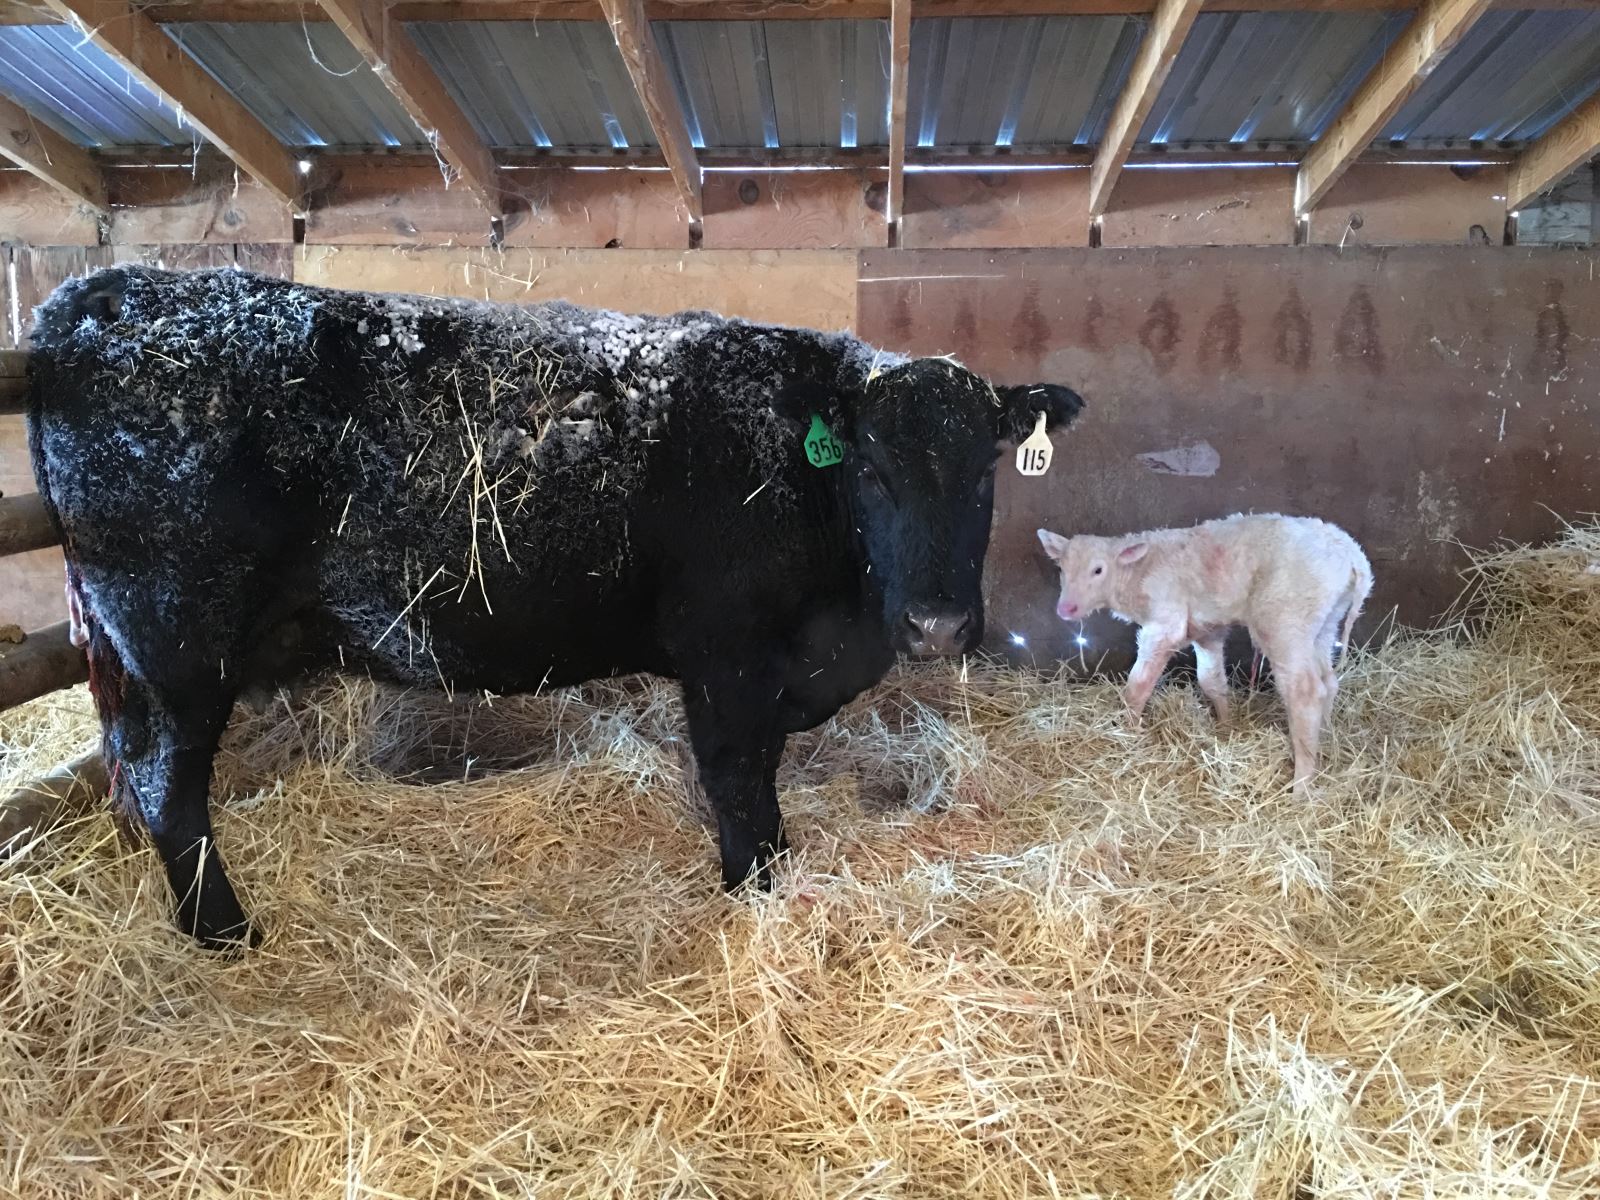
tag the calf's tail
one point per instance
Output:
(1358, 591)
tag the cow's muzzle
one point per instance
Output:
(929, 632)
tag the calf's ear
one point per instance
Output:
(1020, 408)
(1054, 544)
(1132, 553)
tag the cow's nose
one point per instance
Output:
(932, 632)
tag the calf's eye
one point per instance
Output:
(1099, 570)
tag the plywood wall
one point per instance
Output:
(1420, 397)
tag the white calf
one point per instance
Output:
(1285, 579)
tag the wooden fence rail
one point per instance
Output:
(24, 524)
(46, 661)
(13, 381)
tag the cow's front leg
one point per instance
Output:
(736, 750)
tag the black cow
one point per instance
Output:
(255, 479)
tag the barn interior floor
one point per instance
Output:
(1020, 951)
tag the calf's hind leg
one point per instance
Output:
(1213, 680)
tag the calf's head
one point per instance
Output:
(1091, 568)
(922, 444)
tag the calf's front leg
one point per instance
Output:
(1157, 643)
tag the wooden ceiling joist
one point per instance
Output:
(393, 56)
(29, 12)
(138, 43)
(1157, 52)
(1406, 65)
(631, 29)
(899, 91)
(1555, 155)
(43, 152)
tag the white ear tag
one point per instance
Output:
(1033, 456)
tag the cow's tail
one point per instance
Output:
(58, 321)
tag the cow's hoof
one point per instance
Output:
(230, 939)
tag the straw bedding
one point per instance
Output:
(1020, 951)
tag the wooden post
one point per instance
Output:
(899, 99)
(46, 662)
(65, 792)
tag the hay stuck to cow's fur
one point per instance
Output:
(1020, 951)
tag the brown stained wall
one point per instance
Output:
(1420, 397)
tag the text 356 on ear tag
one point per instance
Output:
(822, 448)
(1033, 456)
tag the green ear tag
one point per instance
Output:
(822, 448)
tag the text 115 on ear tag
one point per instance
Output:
(822, 448)
(1033, 456)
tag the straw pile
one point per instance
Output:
(1020, 951)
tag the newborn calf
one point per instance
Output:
(1285, 579)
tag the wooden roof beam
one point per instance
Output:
(31, 12)
(631, 29)
(899, 90)
(395, 59)
(43, 152)
(1157, 52)
(138, 43)
(1556, 155)
(1405, 66)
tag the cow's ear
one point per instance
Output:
(799, 400)
(811, 384)
(1020, 408)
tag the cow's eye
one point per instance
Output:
(988, 472)
(869, 475)
(1099, 571)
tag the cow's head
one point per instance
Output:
(922, 444)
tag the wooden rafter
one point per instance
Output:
(899, 88)
(1162, 41)
(1555, 155)
(138, 43)
(38, 149)
(1433, 32)
(394, 57)
(29, 12)
(631, 29)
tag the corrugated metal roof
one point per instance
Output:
(536, 84)
(72, 85)
(1004, 81)
(763, 84)
(304, 81)
(1267, 76)
(1513, 76)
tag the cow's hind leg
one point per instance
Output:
(162, 715)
